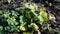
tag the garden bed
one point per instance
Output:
(29, 17)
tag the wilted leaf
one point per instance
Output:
(9, 1)
(52, 17)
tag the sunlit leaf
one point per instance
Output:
(41, 19)
(22, 26)
(44, 15)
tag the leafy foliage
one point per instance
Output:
(24, 17)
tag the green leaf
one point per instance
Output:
(17, 9)
(40, 19)
(1, 28)
(22, 26)
(20, 9)
(26, 33)
(14, 13)
(7, 28)
(34, 26)
(6, 14)
(12, 21)
(44, 15)
(1, 12)
(58, 32)
(28, 15)
(31, 6)
(21, 19)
